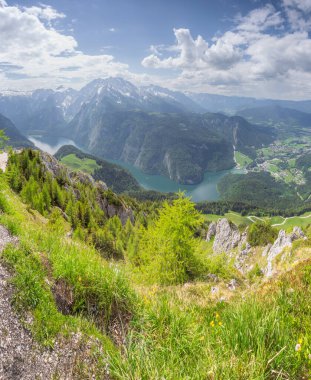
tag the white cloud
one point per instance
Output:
(194, 54)
(298, 14)
(112, 30)
(39, 55)
(257, 57)
(44, 12)
(303, 5)
(260, 19)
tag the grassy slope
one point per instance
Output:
(279, 222)
(241, 159)
(75, 163)
(174, 334)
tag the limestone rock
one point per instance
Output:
(297, 234)
(211, 231)
(266, 250)
(227, 236)
(232, 284)
(283, 241)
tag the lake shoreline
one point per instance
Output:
(204, 191)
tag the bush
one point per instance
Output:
(261, 233)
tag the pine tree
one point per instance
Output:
(168, 247)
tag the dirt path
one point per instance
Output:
(20, 357)
(252, 217)
(291, 217)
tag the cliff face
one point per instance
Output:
(180, 146)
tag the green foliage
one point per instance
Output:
(33, 294)
(3, 138)
(248, 337)
(261, 233)
(251, 338)
(168, 248)
(117, 178)
(260, 190)
(80, 203)
(84, 164)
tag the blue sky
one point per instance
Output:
(254, 48)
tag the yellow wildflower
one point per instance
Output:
(212, 323)
(220, 323)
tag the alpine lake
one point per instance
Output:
(204, 191)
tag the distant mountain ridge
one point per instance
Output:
(16, 139)
(48, 111)
(277, 114)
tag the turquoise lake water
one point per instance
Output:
(206, 190)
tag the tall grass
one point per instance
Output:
(252, 339)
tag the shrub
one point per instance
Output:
(261, 233)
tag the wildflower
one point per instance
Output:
(219, 323)
(298, 347)
(212, 323)
(216, 315)
(300, 341)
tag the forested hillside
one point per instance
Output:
(113, 175)
(146, 285)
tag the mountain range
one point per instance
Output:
(158, 130)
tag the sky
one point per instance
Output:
(238, 47)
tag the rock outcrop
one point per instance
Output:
(211, 231)
(283, 241)
(227, 236)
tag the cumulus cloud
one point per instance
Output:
(194, 54)
(43, 56)
(259, 55)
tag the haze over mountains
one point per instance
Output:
(157, 130)
(45, 109)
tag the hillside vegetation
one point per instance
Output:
(144, 288)
(116, 178)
